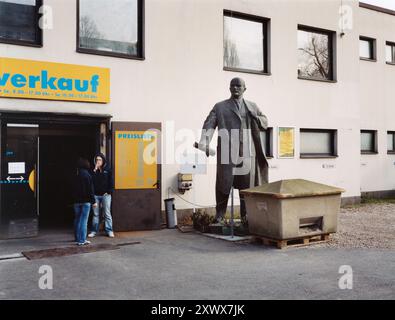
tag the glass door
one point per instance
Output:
(18, 185)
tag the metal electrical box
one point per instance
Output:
(184, 182)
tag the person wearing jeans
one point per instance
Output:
(81, 221)
(103, 204)
(83, 195)
(103, 188)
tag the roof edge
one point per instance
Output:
(376, 8)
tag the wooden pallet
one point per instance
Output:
(292, 243)
(186, 229)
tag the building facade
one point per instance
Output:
(323, 72)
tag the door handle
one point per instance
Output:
(157, 184)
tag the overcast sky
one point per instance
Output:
(389, 4)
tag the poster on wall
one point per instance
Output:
(286, 142)
(136, 160)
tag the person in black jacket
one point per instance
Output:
(83, 195)
(103, 188)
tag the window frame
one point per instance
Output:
(333, 146)
(265, 41)
(391, 44)
(140, 36)
(373, 48)
(375, 142)
(38, 43)
(393, 137)
(269, 143)
(332, 48)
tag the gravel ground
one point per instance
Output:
(370, 225)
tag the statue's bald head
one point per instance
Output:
(237, 88)
(238, 81)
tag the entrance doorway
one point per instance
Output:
(60, 146)
(39, 153)
(38, 160)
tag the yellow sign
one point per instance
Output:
(53, 81)
(286, 142)
(136, 159)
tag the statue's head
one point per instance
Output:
(237, 88)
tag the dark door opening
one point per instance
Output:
(38, 159)
(60, 146)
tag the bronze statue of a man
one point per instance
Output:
(241, 159)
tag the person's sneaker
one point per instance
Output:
(80, 244)
(87, 242)
(111, 234)
(92, 235)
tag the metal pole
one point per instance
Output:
(232, 214)
(194, 196)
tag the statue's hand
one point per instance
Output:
(205, 148)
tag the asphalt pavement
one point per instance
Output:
(168, 264)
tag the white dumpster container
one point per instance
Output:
(291, 209)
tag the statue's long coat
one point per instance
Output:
(225, 116)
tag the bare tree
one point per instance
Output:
(317, 58)
(88, 30)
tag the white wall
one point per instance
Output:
(377, 83)
(182, 78)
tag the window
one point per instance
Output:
(316, 54)
(367, 48)
(111, 28)
(368, 141)
(391, 142)
(268, 142)
(390, 53)
(318, 143)
(19, 22)
(245, 43)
